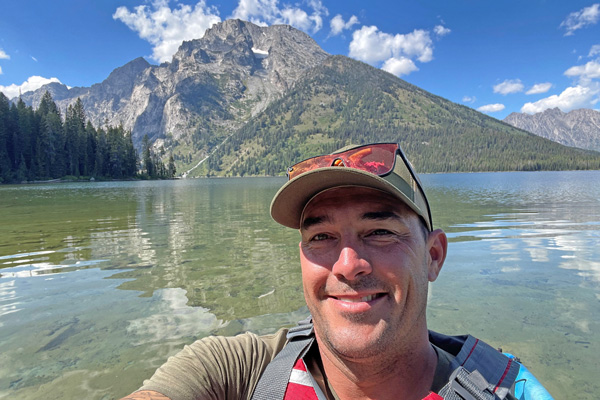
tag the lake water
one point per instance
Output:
(101, 282)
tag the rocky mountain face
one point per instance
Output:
(212, 86)
(577, 128)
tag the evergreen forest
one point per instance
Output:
(40, 145)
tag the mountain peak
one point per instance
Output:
(130, 70)
(246, 40)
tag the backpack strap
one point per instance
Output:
(480, 373)
(274, 380)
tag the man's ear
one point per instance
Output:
(437, 245)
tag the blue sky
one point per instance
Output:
(494, 56)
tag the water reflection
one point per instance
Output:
(215, 240)
(107, 280)
(173, 319)
(522, 270)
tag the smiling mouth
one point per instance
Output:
(360, 299)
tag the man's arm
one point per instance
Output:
(214, 367)
(146, 395)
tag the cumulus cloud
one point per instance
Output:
(267, 12)
(33, 83)
(570, 99)
(399, 66)
(165, 28)
(491, 108)
(338, 25)
(594, 51)
(591, 70)
(1, 71)
(579, 19)
(509, 86)
(3, 55)
(441, 30)
(539, 88)
(584, 93)
(469, 99)
(371, 45)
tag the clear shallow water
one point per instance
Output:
(101, 282)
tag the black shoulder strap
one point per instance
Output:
(480, 371)
(274, 380)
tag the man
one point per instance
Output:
(368, 252)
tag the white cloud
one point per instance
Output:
(3, 55)
(1, 71)
(256, 11)
(338, 25)
(469, 99)
(165, 28)
(490, 108)
(441, 30)
(34, 59)
(579, 19)
(33, 83)
(399, 66)
(594, 51)
(509, 86)
(570, 99)
(370, 45)
(300, 19)
(539, 88)
(591, 70)
(267, 12)
(374, 47)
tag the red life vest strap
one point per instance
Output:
(300, 386)
(433, 396)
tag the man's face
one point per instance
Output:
(366, 264)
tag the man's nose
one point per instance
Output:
(350, 263)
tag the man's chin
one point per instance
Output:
(354, 342)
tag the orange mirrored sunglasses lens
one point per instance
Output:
(377, 159)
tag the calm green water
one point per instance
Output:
(101, 282)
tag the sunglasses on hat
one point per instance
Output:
(379, 160)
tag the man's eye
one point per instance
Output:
(380, 232)
(320, 236)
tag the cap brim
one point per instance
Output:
(290, 200)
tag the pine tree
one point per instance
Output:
(5, 164)
(49, 139)
(90, 142)
(116, 152)
(147, 162)
(101, 154)
(131, 156)
(171, 170)
(24, 142)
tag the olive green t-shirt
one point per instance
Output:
(219, 367)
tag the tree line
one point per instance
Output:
(41, 145)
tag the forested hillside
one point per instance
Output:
(343, 101)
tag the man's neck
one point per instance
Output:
(406, 375)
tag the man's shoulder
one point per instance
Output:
(217, 366)
(247, 341)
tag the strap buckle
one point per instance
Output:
(467, 385)
(305, 328)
